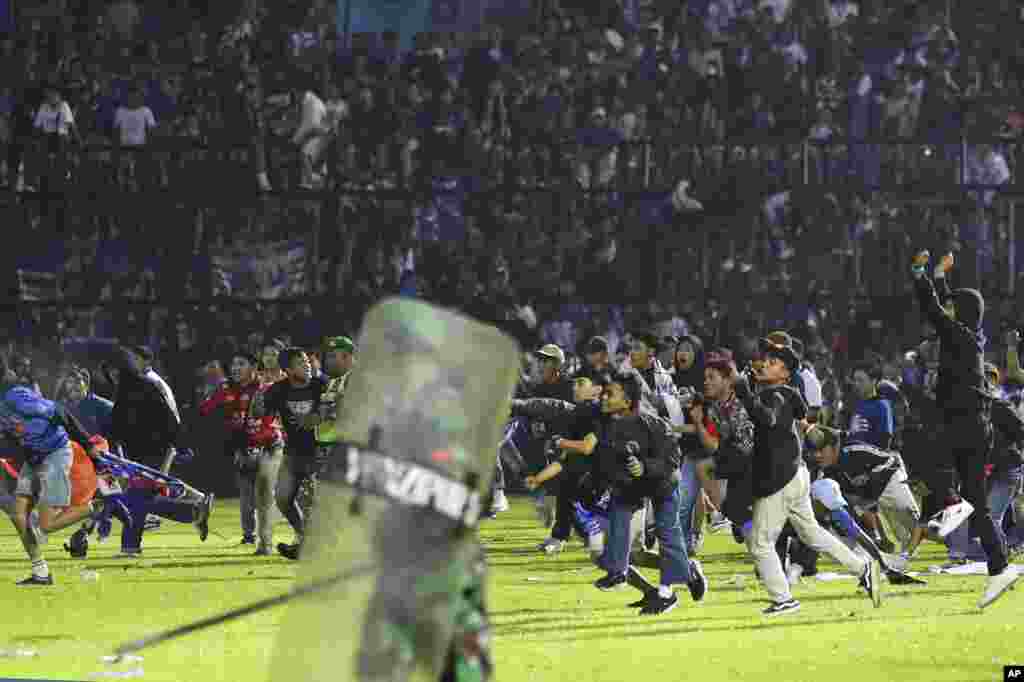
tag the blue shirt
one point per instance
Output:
(872, 423)
(34, 422)
(94, 412)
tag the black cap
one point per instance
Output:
(598, 344)
(783, 352)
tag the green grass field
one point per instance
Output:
(549, 622)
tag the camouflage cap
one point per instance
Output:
(342, 343)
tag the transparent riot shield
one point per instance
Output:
(399, 500)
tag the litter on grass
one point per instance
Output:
(973, 568)
(119, 674)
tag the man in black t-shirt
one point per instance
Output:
(296, 400)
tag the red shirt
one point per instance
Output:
(263, 432)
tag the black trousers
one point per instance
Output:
(567, 492)
(965, 442)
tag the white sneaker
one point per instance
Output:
(998, 584)
(499, 503)
(719, 522)
(595, 543)
(551, 546)
(950, 518)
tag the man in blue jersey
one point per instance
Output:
(42, 430)
(872, 420)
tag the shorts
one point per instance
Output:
(48, 482)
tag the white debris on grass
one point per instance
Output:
(19, 652)
(137, 672)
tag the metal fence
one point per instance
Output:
(181, 202)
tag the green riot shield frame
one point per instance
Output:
(420, 422)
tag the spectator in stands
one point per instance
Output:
(125, 18)
(312, 136)
(55, 120)
(133, 122)
(377, 124)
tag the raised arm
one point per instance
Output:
(770, 413)
(927, 296)
(543, 408)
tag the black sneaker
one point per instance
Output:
(611, 582)
(288, 551)
(152, 522)
(248, 540)
(642, 601)
(658, 605)
(871, 581)
(78, 545)
(698, 581)
(780, 608)
(36, 580)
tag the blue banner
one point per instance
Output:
(6, 17)
(406, 17)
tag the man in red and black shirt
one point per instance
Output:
(257, 445)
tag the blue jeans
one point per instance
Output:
(689, 489)
(1002, 488)
(673, 560)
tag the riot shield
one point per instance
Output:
(421, 421)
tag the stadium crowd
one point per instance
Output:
(685, 208)
(557, 150)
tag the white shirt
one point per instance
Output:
(134, 124)
(812, 388)
(840, 12)
(57, 119)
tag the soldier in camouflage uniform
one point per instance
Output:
(402, 494)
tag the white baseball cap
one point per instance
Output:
(552, 351)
